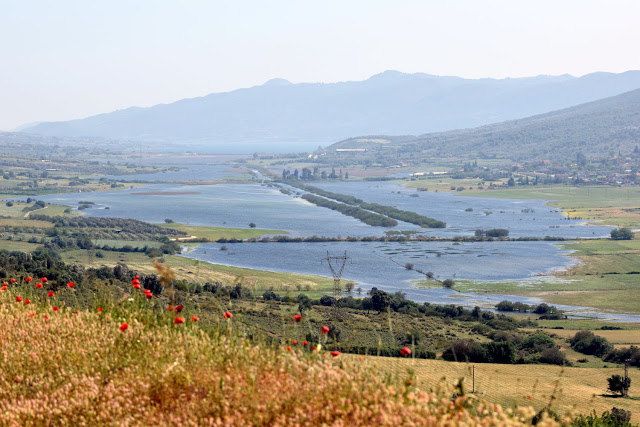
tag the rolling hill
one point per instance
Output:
(387, 103)
(597, 129)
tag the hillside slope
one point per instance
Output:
(387, 103)
(600, 128)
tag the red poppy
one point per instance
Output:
(5, 284)
(27, 301)
(55, 308)
(99, 309)
(325, 330)
(304, 343)
(194, 318)
(179, 308)
(169, 308)
(124, 327)
(227, 315)
(178, 320)
(406, 351)
(28, 279)
(75, 311)
(4, 288)
(135, 281)
(71, 284)
(149, 295)
(313, 347)
(146, 291)
(44, 280)
(136, 277)
(335, 353)
(31, 315)
(136, 286)
(38, 285)
(297, 318)
(50, 294)
(45, 317)
(294, 342)
(13, 280)
(18, 298)
(288, 348)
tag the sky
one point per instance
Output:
(64, 59)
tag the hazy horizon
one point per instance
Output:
(71, 59)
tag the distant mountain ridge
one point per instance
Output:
(387, 103)
(596, 129)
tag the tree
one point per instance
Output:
(621, 234)
(348, 287)
(327, 300)
(380, 300)
(168, 221)
(511, 182)
(252, 224)
(448, 283)
(617, 384)
(304, 303)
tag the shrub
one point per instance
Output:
(621, 234)
(588, 343)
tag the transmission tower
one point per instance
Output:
(336, 265)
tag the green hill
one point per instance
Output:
(597, 129)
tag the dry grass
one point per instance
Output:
(159, 373)
(618, 337)
(578, 390)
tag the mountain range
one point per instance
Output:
(387, 103)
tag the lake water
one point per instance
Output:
(237, 205)
(379, 264)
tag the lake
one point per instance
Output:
(379, 264)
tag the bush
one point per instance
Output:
(621, 234)
(553, 356)
(587, 342)
(497, 232)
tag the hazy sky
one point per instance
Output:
(62, 59)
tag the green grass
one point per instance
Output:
(13, 245)
(614, 292)
(583, 324)
(132, 243)
(215, 233)
(202, 272)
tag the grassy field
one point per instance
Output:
(202, 272)
(215, 233)
(142, 365)
(606, 278)
(564, 389)
(617, 206)
(132, 243)
(602, 279)
(14, 245)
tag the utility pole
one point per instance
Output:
(625, 385)
(473, 378)
(336, 265)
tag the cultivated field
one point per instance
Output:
(564, 389)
